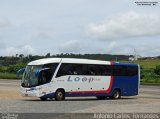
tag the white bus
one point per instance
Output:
(67, 77)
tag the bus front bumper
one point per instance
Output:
(29, 92)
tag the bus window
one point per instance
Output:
(119, 70)
(132, 70)
(93, 70)
(108, 70)
(79, 69)
(65, 69)
(72, 69)
(47, 75)
(43, 77)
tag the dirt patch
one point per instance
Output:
(10, 94)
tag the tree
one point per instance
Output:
(157, 70)
(21, 55)
(48, 55)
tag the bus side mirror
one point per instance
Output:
(20, 71)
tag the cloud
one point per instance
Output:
(26, 49)
(2, 44)
(72, 46)
(113, 47)
(4, 22)
(126, 25)
(75, 46)
(148, 50)
(44, 32)
(145, 49)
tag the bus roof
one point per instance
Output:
(67, 60)
(74, 60)
(84, 61)
(45, 61)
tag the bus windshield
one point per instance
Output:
(35, 75)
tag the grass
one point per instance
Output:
(148, 64)
(150, 83)
(8, 76)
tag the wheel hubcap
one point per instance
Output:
(60, 94)
(116, 95)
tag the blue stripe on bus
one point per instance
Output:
(68, 94)
(124, 64)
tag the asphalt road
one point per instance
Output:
(148, 101)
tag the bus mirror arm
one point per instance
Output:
(20, 71)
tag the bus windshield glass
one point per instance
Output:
(35, 75)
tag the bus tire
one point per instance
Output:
(101, 97)
(43, 99)
(116, 94)
(60, 95)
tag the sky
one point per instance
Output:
(39, 27)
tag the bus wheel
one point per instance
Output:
(60, 95)
(43, 99)
(101, 97)
(116, 94)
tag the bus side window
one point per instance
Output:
(65, 69)
(132, 70)
(93, 69)
(108, 70)
(119, 70)
(76, 69)
(68, 69)
(51, 69)
(90, 70)
(84, 69)
(79, 69)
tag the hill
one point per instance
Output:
(149, 66)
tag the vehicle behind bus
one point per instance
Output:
(67, 77)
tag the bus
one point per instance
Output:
(69, 77)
